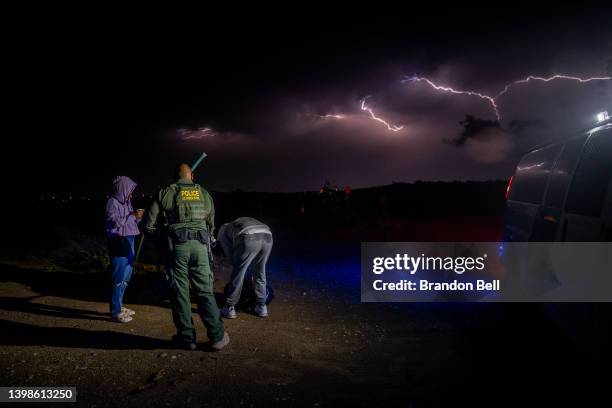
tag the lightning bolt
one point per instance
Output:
(366, 108)
(551, 78)
(331, 116)
(199, 133)
(492, 100)
(489, 99)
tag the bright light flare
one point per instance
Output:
(601, 116)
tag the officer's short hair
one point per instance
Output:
(182, 171)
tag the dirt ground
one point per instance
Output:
(320, 346)
(313, 350)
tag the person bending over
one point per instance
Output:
(248, 243)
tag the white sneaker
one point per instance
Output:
(229, 312)
(122, 318)
(261, 310)
(126, 311)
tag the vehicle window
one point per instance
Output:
(531, 175)
(562, 172)
(590, 183)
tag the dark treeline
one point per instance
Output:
(329, 207)
(366, 209)
(397, 200)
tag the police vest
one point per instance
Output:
(191, 204)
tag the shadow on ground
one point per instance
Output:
(26, 305)
(146, 288)
(22, 334)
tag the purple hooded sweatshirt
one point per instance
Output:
(119, 218)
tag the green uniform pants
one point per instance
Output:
(189, 265)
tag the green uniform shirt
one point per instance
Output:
(164, 209)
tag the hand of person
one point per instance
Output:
(138, 213)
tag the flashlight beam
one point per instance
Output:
(197, 162)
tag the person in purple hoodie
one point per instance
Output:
(121, 229)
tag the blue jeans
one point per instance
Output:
(251, 251)
(121, 252)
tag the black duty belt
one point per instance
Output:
(184, 235)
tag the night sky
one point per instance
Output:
(126, 97)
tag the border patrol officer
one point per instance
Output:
(188, 211)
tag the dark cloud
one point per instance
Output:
(475, 128)
(484, 140)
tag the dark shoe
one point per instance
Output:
(219, 345)
(182, 344)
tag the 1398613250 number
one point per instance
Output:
(37, 393)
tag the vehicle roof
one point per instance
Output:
(606, 124)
